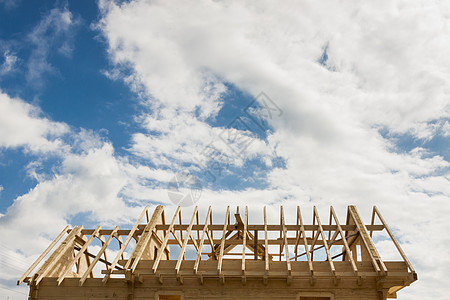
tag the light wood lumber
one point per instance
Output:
(222, 243)
(188, 236)
(46, 251)
(126, 242)
(97, 257)
(166, 238)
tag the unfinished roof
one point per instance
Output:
(230, 249)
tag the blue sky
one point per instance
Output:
(104, 103)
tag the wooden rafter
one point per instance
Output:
(222, 243)
(144, 239)
(394, 240)
(367, 245)
(266, 243)
(244, 242)
(127, 241)
(346, 247)
(188, 236)
(39, 259)
(327, 249)
(286, 245)
(54, 258)
(102, 250)
(204, 233)
(166, 239)
(78, 256)
(230, 244)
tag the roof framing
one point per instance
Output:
(224, 250)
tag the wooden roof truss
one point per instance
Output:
(225, 250)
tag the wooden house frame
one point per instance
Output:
(226, 260)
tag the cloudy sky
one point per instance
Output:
(104, 106)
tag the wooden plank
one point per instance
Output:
(297, 238)
(286, 245)
(341, 232)
(46, 251)
(255, 245)
(198, 232)
(394, 240)
(266, 244)
(202, 241)
(193, 239)
(281, 238)
(305, 243)
(364, 235)
(53, 259)
(97, 257)
(222, 243)
(244, 240)
(327, 249)
(372, 221)
(166, 238)
(188, 236)
(78, 256)
(125, 244)
(144, 240)
(211, 242)
(251, 227)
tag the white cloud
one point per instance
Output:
(54, 32)
(9, 62)
(22, 125)
(9, 4)
(446, 129)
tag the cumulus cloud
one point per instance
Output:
(22, 125)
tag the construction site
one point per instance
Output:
(228, 258)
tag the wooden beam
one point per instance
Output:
(194, 241)
(244, 240)
(327, 249)
(46, 251)
(346, 247)
(255, 245)
(367, 241)
(188, 236)
(313, 243)
(97, 257)
(281, 237)
(144, 240)
(222, 243)
(297, 238)
(125, 244)
(305, 243)
(372, 221)
(211, 242)
(266, 243)
(394, 240)
(78, 256)
(166, 238)
(286, 245)
(251, 227)
(202, 241)
(54, 258)
(198, 231)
